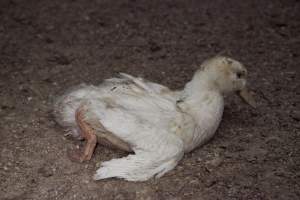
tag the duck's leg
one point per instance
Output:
(88, 133)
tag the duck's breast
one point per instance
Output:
(206, 118)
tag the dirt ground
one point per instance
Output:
(49, 46)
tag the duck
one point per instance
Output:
(154, 124)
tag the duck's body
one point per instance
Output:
(157, 124)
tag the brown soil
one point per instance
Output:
(48, 46)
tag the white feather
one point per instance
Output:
(158, 124)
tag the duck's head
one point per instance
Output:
(226, 75)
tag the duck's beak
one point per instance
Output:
(247, 97)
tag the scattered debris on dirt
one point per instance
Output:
(48, 46)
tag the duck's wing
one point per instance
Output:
(156, 150)
(126, 81)
(143, 165)
(136, 94)
(142, 121)
(148, 86)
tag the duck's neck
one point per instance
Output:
(204, 103)
(199, 89)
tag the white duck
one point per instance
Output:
(157, 124)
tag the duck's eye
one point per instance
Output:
(239, 74)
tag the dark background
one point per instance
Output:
(48, 46)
